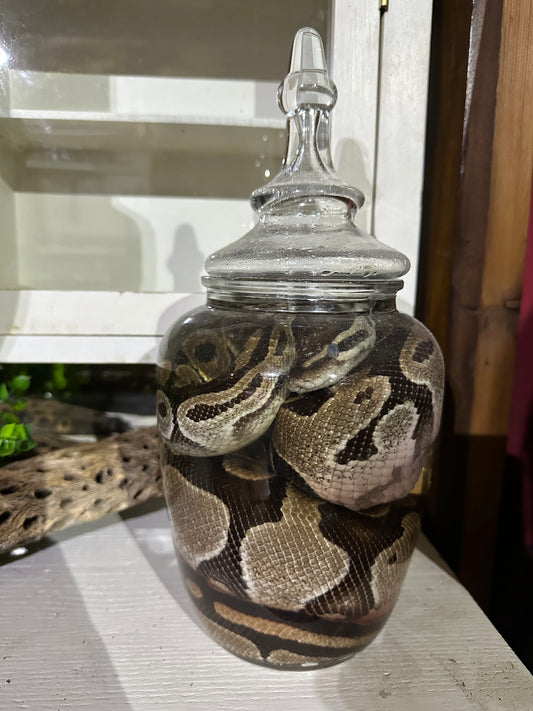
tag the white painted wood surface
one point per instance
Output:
(103, 313)
(141, 350)
(354, 67)
(100, 621)
(102, 327)
(96, 97)
(401, 133)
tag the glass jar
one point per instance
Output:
(297, 410)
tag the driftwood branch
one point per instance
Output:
(77, 484)
(63, 418)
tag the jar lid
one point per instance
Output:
(306, 230)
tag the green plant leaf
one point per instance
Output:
(19, 404)
(21, 383)
(7, 447)
(4, 392)
(58, 376)
(19, 432)
(9, 418)
(15, 438)
(28, 442)
(8, 431)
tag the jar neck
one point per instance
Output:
(315, 210)
(301, 295)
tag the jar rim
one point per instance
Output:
(302, 294)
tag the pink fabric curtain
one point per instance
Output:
(520, 440)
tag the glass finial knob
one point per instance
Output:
(307, 229)
(308, 84)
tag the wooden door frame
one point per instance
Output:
(476, 208)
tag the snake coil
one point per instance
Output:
(291, 446)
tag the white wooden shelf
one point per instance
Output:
(87, 327)
(55, 313)
(28, 115)
(99, 620)
(43, 96)
(119, 350)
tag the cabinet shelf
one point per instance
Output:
(131, 136)
(49, 96)
(87, 327)
(137, 158)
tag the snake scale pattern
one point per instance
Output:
(292, 446)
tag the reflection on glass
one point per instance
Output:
(171, 100)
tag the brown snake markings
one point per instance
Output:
(278, 570)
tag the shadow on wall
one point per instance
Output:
(186, 261)
(82, 242)
(185, 264)
(353, 167)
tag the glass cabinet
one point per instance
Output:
(131, 135)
